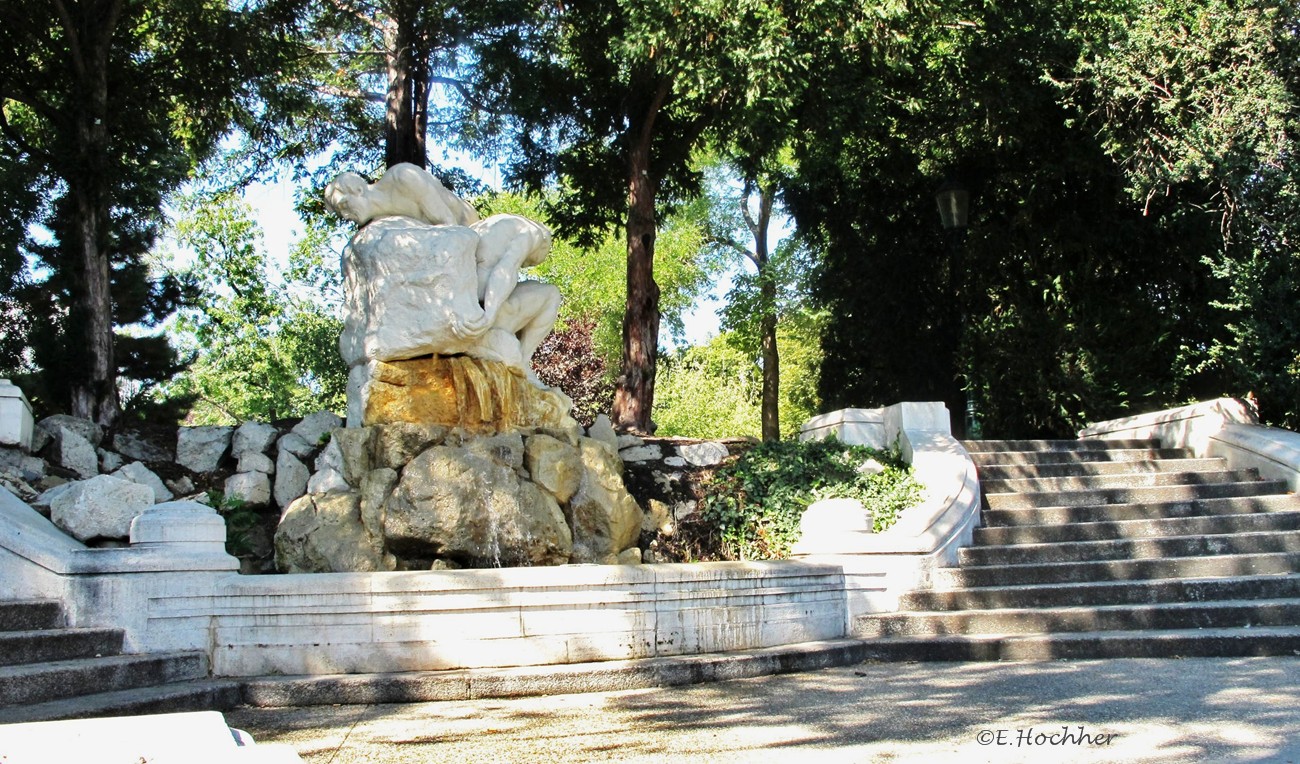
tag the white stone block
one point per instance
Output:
(179, 522)
(15, 417)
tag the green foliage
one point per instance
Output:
(755, 504)
(240, 521)
(1067, 302)
(262, 350)
(106, 108)
(707, 391)
(713, 390)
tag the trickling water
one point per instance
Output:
(494, 536)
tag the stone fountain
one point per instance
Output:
(454, 454)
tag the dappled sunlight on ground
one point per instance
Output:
(1240, 710)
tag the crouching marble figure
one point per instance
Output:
(426, 279)
(454, 454)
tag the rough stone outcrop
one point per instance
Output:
(605, 519)
(463, 506)
(325, 534)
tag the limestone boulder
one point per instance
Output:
(252, 437)
(325, 534)
(201, 449)
(454, 504)
(136, 472)
(133, 445)
(101, 507)
(83, 427)
(291, 477)
(554, 465)
(604, 518)
(109, 462)
(251, 489)
(704, 454)
(71, 451)
(350, 447)
(393, 445)
(295, 444)
(602, 430)
(314, 427)
(255, 461)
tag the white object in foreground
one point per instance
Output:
(189, 738)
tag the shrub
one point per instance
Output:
(754, 505)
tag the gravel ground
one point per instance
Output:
(1189, 710)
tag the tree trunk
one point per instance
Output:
(94, 392)
(635, 391)
(634, 394)
(767, 322)
(402, 141)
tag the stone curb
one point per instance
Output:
(604, 676)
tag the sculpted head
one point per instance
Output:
(348, 196)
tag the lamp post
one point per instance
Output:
(953, 199)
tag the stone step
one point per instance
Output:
(1148, 494)
(1101, 482)
(1161, 616)
(41, 682)
(1134, 467)
(25, 615)
(192, 695)
(1067, 446)
(1108, 592)
(1263, 542)
(1119, 570)
(1134, 529)
(1154, 510)
(1087, 456)
(37, 646)
(1185, 643)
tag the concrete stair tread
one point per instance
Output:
(1154, 568)
(1012, 446)
(1145, 528)
(44, 645)
(1167, 643)
(26, 614)
(1068, 609)
(191, 695)
(1146, 591)
(1135, 543)
(30, 683)
(1126, 480)
(1026, 458)
(1058, 515)
(1096, 468)
(601, 676)
(1134, 495)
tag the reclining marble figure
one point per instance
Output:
(424, 275)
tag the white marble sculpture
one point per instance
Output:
(423, 275)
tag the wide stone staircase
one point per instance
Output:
(51, 671)
(1099, 549)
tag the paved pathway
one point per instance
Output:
(1190, 710)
